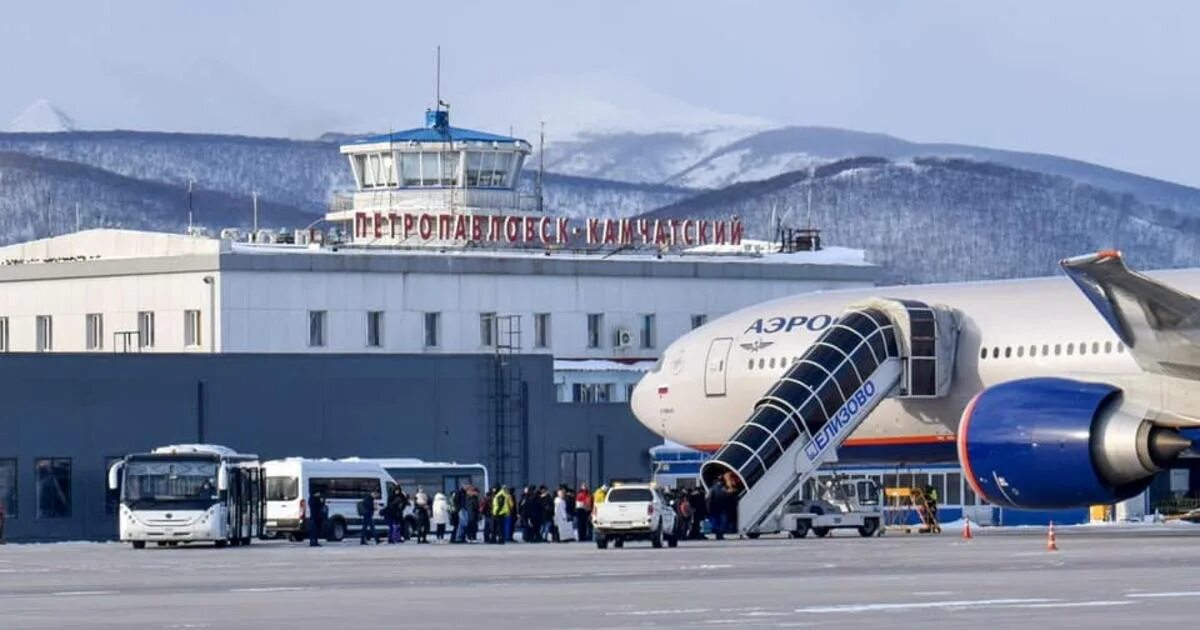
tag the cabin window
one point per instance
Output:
(983, 353)
(1020, 351)
(1107, 347)
(1033, 351)
(996, 352)
(1070, 349)
(1007, 352)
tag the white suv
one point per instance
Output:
(634, 511)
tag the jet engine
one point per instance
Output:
(1052, 443)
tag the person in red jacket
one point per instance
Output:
(583, 513)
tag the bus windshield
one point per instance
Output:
(149, 482)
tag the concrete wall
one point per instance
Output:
(89, 407)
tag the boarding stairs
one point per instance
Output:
(877, 349)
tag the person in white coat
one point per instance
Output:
(562, 521)
(441, 514)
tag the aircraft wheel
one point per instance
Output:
(820, 532)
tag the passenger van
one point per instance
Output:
(291, 482)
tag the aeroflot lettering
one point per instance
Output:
(832, 429)
(768, 325)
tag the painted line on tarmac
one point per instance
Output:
(1166, 594)
(269, 589)
(1087, 604)
(958, 603)
(82, 593)
(649, 613)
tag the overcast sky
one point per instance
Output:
(1109, 82)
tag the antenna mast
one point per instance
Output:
(254, 196)
(191, 183)
(541, 166)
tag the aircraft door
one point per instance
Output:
(716, 366)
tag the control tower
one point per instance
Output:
(428, 177)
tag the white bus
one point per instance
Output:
(189, 493)
(292, 481)
(446, 477)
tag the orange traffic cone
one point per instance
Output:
(967, 535)
(1051, 539)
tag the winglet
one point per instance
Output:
(1083, 271)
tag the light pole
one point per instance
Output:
(212, 312)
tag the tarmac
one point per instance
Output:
(1099, 578)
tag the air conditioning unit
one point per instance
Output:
(623, 338)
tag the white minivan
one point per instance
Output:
(291, 481)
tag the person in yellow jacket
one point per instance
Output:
(501, 515)
(599, 494)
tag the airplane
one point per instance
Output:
(1063, 392)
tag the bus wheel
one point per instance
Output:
(221, 544)
(138, 544)
(753, 535)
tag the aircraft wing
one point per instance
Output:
(1159, 324)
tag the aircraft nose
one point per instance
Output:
(644, 401)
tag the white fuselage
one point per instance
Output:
(1026, 328)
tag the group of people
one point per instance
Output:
(537, 513)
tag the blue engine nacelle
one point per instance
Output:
(1052, 443)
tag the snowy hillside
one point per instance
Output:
(295, 176)
(716, 159)
(301, 174)
(39, 197)
(932, 220)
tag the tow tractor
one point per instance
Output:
(840, 502)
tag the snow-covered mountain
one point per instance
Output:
(40, 117)
(935, 219)
(701, 160)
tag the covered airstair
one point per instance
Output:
(878, 349)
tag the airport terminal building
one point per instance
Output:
(436, 313)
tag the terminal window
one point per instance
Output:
(8, 486)
(95, 331)
(647, 331)
(4, 334)
(541, 330)
(487, 329)
(433, 324)
(191, 329)
(374, 328)
(145, 329)
(594, 323)
(316, 329)
(592, 392)
(53, 479)
(45, 333)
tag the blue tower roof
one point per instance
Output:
(438, 129)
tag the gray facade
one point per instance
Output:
(88, 408)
